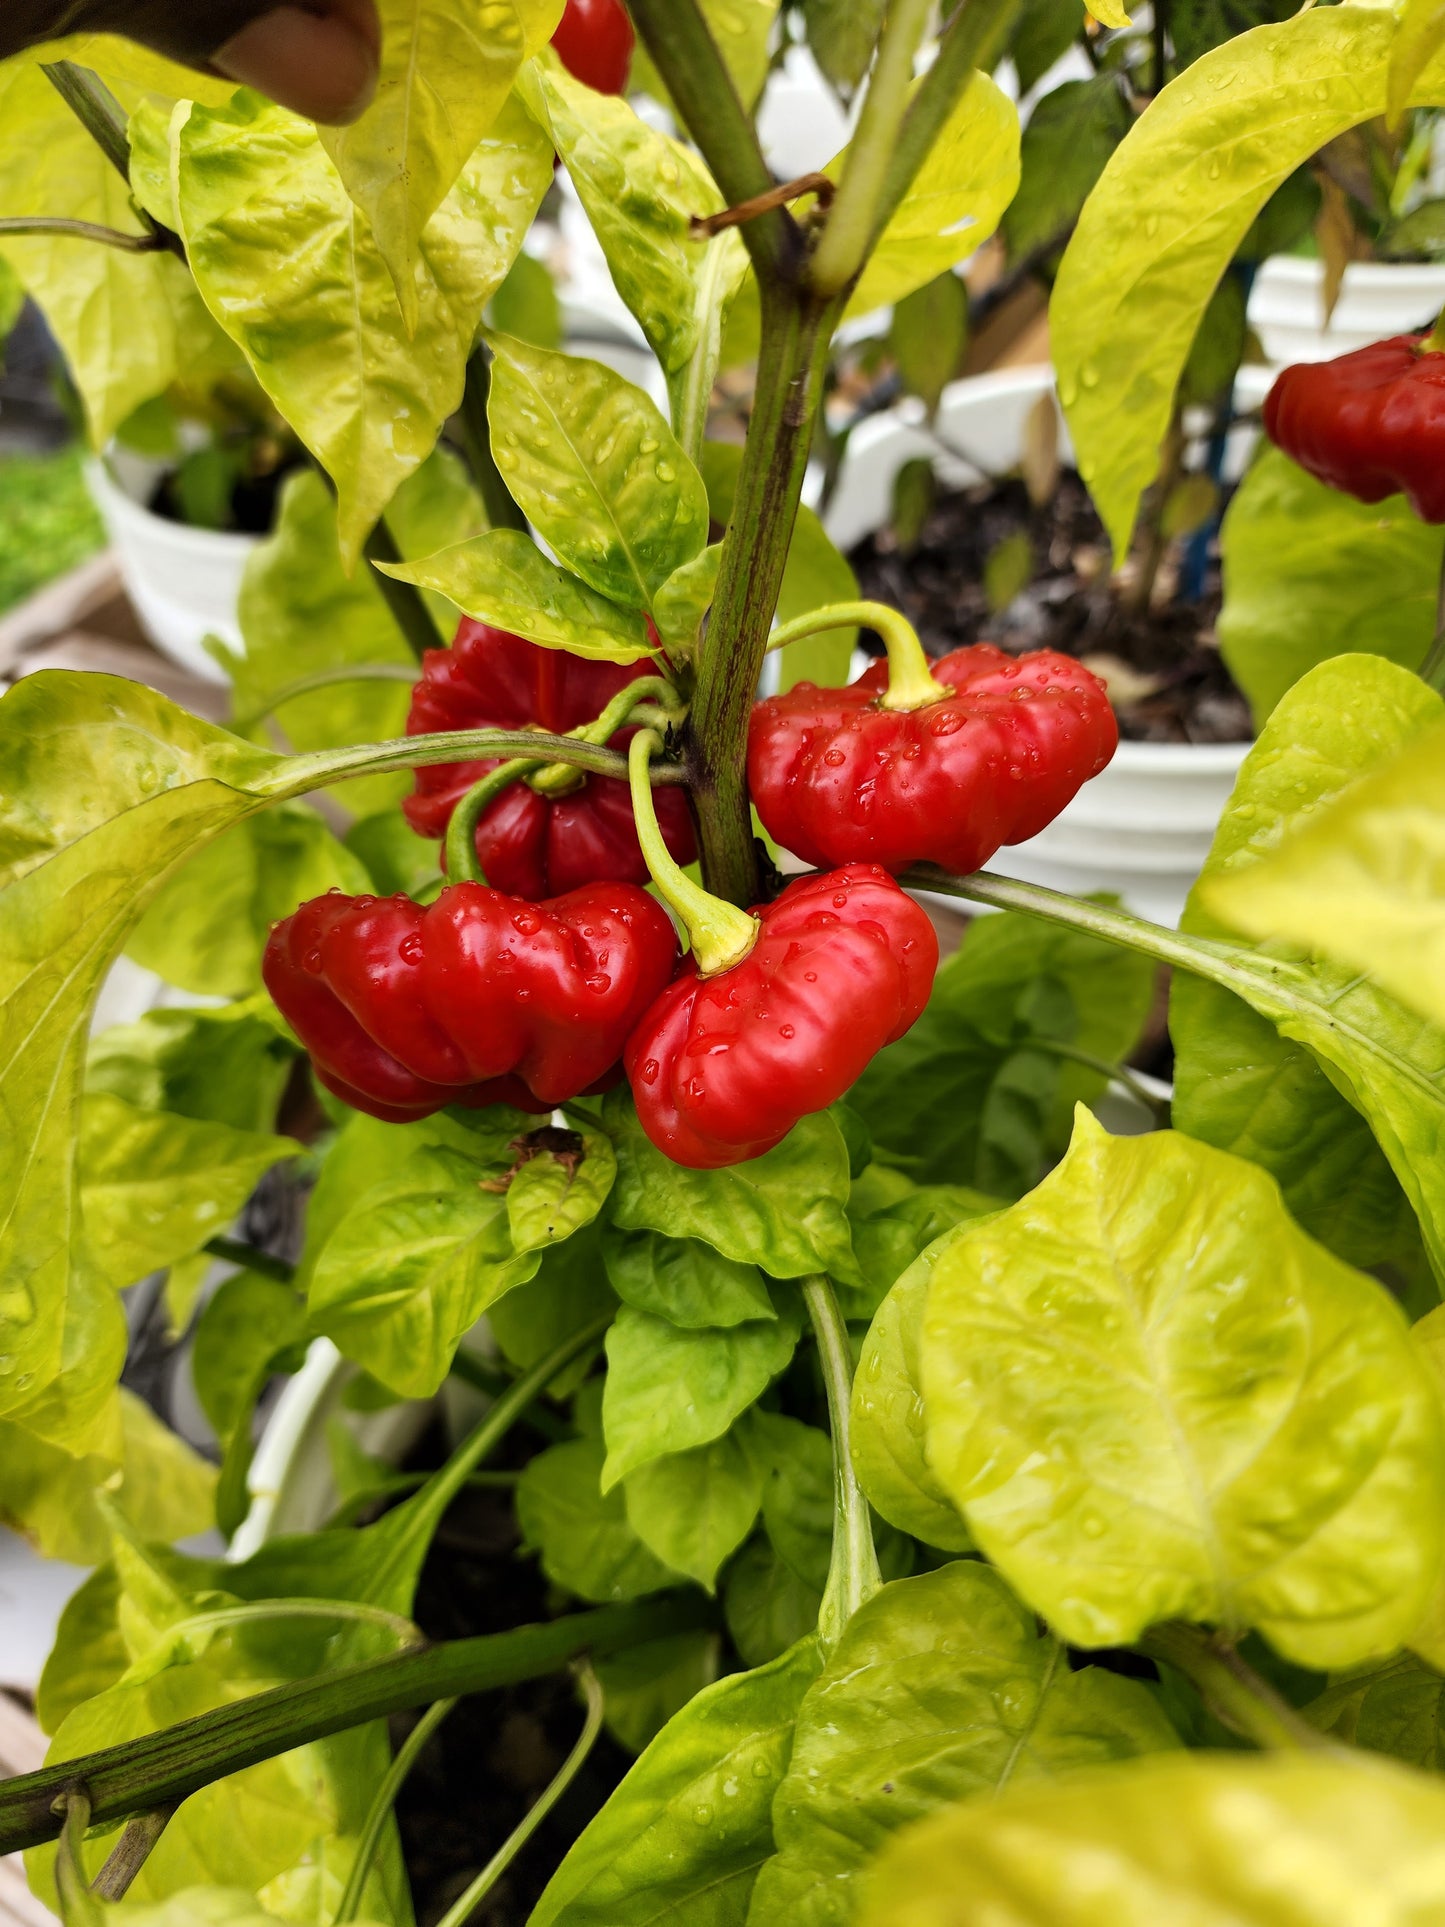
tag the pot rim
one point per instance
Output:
(125, 510)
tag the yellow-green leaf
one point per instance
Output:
(1170, 209)
(1195, 1840)
(958, 199)
(1420, 37)
(1362, 881)
(446, 72)
(289, 267)
(1154, 1397)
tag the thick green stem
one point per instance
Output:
(96, 108)
(853, 219)
(163, 1768)
(795, 342)
(380, 1809)
(853, 1576)
(720, 933)
(406, 602)
(910, 680)
(130, 1853)
(682, 48)
(497, 498)
(318, 770)
(463, 1910)
(107, 237)
(1232, 1690)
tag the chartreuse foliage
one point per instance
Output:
(1109, 1392)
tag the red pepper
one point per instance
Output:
(1370, 423)
(594, 43)
(723, 1067)
(528, 844)
(479, 999)
(839, 776)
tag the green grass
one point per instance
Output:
(48, 522)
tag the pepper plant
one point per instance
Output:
(965, 1514)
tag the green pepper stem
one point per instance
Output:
(1434, 343)
(381, 1806)
(853, 1575)
(720, 933)
(464, 1908)
(910, 680)
(550, 779)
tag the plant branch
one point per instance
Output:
(319, 769)
(684, 52)
(1232, 1690)
(323, 679)
(853, 1575)
(464, 1908)
(261, 1262)
(380, 1808)
(497, 499)
(408, 605)
(1158, 1107)
(704, 226)
(130, 1853)
(796, 334)
(109, 237)
(164, 1768)
(96, 108)
(974, 38)
(853, 220)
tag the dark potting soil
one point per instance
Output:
(494, 1754)
(254, 500)
(1166, 677)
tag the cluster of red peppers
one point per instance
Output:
(544, 969)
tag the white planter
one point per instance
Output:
(184, 583)
(1141, 828)
(1377, 299)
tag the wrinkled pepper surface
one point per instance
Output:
(478, 999)
(838, 778)
(1370, 423)
(723, 1067)
(528, 844)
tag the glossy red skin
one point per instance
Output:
(594, 43)
(838, 779)
(722, 1068)
(478, 999)
(529, 845)
(1370, 423)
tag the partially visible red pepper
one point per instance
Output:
(989, 755)
(1370, 423)
(479, 999)
(594, 43)
(723, 1067)
(528, 844)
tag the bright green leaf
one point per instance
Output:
(290, 269)
(1067, 143)
(1421, 36)
(683, 1280)
(504, 578)
(248, 1326)
(1154, 1397)
(887, 1237)
(683, 1837)
(669, 1390)
(941, 1689)
(556, 1193)
(413, 1265)
(928, 337)
(1310, 573)
(569, 1291)
(596, 470)
(685, 598)
(1322, 1078)
(798, 1494)
(647, 1684)
(767, 1606)
(221, 1066)
(1212, 1840)
(694, 1509)
(446, 72)
(583, 1535)
(526, 304)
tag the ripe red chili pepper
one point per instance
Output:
(723, 1067)
(528, 844)
(1370, 423)
(594, 43)
(479, 999)
(837, 776)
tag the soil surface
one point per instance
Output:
(1163, 669)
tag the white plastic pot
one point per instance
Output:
(1143, 827)
(1377, 298)
(184, 583)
